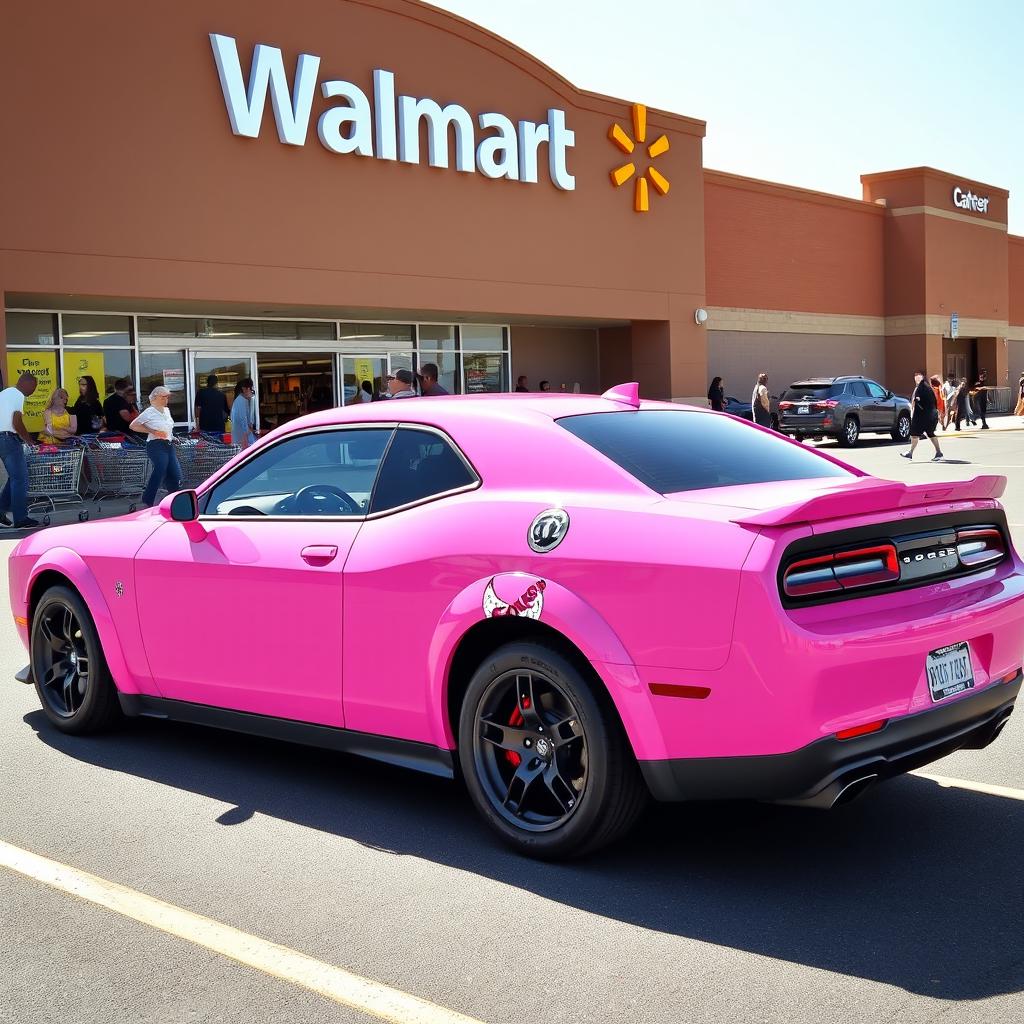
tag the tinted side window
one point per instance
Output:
(685, 451)
(418, 464)
(876, 390)
(858, 388)
(326, 473)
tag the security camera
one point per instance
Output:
(700, 316)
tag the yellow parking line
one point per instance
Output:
(976, 787)
(351, 990)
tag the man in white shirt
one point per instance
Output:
(14, 496)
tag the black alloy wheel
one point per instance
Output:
(548, 767)
(68, 667)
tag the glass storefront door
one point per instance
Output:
(359, 371)
(228, 367)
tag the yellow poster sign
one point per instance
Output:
(364, 371)
(83, 364)
(42, 366)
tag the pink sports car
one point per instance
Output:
(574, 601)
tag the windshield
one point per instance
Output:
(686, 451)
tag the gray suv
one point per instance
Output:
(844, 408)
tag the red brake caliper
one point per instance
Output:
(516, 720)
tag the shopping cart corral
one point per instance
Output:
(201, 456)
(114, 468)
(53, 478)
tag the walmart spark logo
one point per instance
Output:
(619, 176)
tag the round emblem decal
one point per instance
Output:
(543, 747)
(548, 530)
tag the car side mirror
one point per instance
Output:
(180, 507)
(889, 395)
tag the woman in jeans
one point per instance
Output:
(157, 422)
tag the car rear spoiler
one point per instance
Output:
(870, 495)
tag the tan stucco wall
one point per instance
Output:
(562, 355)
(739, 356)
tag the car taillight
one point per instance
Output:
(828, 403)
(979, 545)
(785, 405)
(846, 570)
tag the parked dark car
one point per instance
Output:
(735, 407)
(843, 408)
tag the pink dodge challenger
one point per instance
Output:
(574, 601)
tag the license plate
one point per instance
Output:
(949, 671)
(802, 410)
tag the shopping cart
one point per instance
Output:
(202, 456)
(53, 476)
(115, 468)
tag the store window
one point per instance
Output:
(447, 364)
(483, 338)
(164, 369)
(96, 330)
(485, 373)
(379, 337)
(30, 329)
(438, 337)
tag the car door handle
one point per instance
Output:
(319, 554)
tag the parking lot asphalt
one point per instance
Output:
(904, 906)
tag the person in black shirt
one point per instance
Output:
(716, 394)
(119, 411)
(211, 407)
(924, 416)
(981, 391)
(87, 409)
(521, 383)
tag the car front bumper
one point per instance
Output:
(830, 770)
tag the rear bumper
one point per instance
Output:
(821, 772)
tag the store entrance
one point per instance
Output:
(960, 358)
(292, 384)
(229, 369)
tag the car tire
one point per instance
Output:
(62, 639)
(552, 785)
(901, 432)
(850, 433)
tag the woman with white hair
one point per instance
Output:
(157, 421)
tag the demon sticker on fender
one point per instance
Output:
(529, 605)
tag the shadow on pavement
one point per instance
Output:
(914, 886)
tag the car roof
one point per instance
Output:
(818, 382)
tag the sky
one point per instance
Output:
(805, 93)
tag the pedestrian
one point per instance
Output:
(545, 385)
(924, 416)
(521, 384)
(158, 423)
(119, 409)
(1019, 410)
(243, 423)
(982, 391)
(88, 409)
(58, 423)
(716, 394)
(760, 402)
(211, 410)
(400, 384)
(431, 389)
(948, 391)
(936, 385)
(961, 402)
(365, 393)
(971, 418)
(13, 434)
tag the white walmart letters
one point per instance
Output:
(390, 130)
